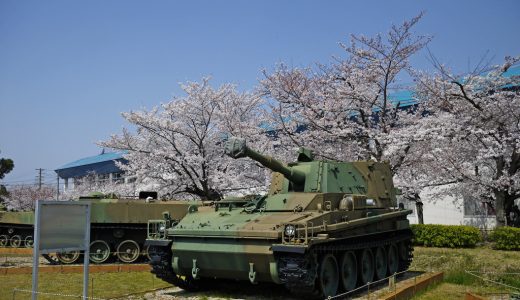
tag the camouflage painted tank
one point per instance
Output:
(325, 227)
(118, 227)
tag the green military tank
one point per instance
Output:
(325, 227)
(118, 227)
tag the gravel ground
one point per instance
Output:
(228, 290)
(244, 290)
(19, 261)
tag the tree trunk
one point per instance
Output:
(500, 200)
(419, 208)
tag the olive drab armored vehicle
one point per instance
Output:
(325, 227)
(16, 229)
(118, 227)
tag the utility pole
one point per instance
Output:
(57, 187)
(40, 178)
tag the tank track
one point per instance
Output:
(52, 259)
(299, 272)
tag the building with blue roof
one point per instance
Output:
(100, 168)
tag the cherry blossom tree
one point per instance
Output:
(179, 145)
(474, 132)
(346, 111)
(24, 197)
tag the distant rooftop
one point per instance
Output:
(513, 71)
(100, 164)
(105, 156)
(406, 98)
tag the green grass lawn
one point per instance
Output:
(106, 285)
(455, 262)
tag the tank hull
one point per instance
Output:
(118, 226)
(245, 252)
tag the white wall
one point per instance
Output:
(448, 210)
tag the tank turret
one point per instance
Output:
(237, 148)
(372, 180)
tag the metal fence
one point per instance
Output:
(368, 289)
(22, 294)
(485, 276)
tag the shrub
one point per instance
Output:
(506, 238)
(452, 236)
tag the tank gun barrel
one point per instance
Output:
(237, 148)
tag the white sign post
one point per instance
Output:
(61, 226)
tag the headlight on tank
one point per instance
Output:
(162, 228)
(290, 230)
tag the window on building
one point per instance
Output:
(117, 178)
(477, 207)
(131, 179)
(103, 178)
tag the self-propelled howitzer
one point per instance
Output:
(325, 227)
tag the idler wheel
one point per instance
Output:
(28, 242)
(366, 266)
(328, 276)
(16, 241)
(128, 251)
(380, 263)
(393, 259)
(68, 257)
(348, 271)
(99, 251)
(4, 240)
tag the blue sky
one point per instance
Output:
(69, 68)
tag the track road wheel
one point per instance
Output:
(328, 276)
(392, 259)
(99, 251)
(147, 253)
(366, 266)
(128, 251)
(16, 241)
(28, 241)
(348, 271)
(68, 257)
(380, 262)
(4, 240)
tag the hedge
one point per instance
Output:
(506, 238)
(451, 236)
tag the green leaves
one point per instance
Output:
(451, 236)
(6, 165)
(506, 238)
